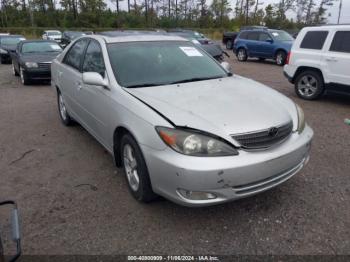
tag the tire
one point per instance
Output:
(14, 71)
(25, 79)
(62, 110)
(229, 44)
(242, 55)
(281, 57)
(309, 85)
(135, 170)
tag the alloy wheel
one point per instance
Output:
(130, 166)
(307, 85)
(63, 110)
(21, 73)
(279, 59)
(241, 55)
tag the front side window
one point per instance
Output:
(74, 56)
(279, 35)
(94, 59)
(264, 37)
(314, 40)
(243, 35)
(40, 47)
(341, 42)
(137, 64)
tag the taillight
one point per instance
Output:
(288, 58)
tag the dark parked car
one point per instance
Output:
(228, 39)
(8, 44)
(69, 36)
(263, 44)
(32, 59)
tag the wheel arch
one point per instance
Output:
(118, 133)
(305, 68)
(278, 50)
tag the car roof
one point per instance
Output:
(14, 36)
(137, 38)
(38, 41)
(51, 31)
(327, 27)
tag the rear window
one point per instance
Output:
(314, 40)
(341, 42)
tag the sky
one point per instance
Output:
(333, 10)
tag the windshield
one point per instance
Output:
(11, 40)
(281, 36)
(40, 47)
(54, 33)
(138, 64)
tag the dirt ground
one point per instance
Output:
(73, 200)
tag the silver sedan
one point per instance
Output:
(181, 125)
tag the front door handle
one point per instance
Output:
(79, 85)
(332, 59)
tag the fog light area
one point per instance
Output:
(196, 195)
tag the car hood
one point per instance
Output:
(39, 58)
(230, 105)
(213, 49)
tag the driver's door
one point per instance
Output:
(95, 99)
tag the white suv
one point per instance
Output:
(320, 61)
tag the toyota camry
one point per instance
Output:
(180, 124)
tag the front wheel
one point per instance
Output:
(14, 71)
(229, 44)
(25, 79)
(62, 109)
(135, 170)
(309, 85)
(281, 57)
(242, 55)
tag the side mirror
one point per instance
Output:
(226, 66)
(269, 41)
(94, 79)
(16, 235)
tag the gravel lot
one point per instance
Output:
(74, 201)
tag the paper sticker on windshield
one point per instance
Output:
(275, 34)
(55, 47)
(190, 51)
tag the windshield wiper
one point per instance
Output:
(195, 79)
(144, 85)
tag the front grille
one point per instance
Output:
(265, 138)
(46, 66)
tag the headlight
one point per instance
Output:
(301, 119)
(2, 51)
(31, 65)
(194, 143)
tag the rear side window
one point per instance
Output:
(253, 36)
(314, 40)
(341, 42)
(243, 35)
(74, 56)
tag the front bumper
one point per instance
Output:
(227, 178)
(38, 74)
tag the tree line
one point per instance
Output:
(228, 14)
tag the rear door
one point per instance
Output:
(337, 59)
(252, 43)
(70, 77)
